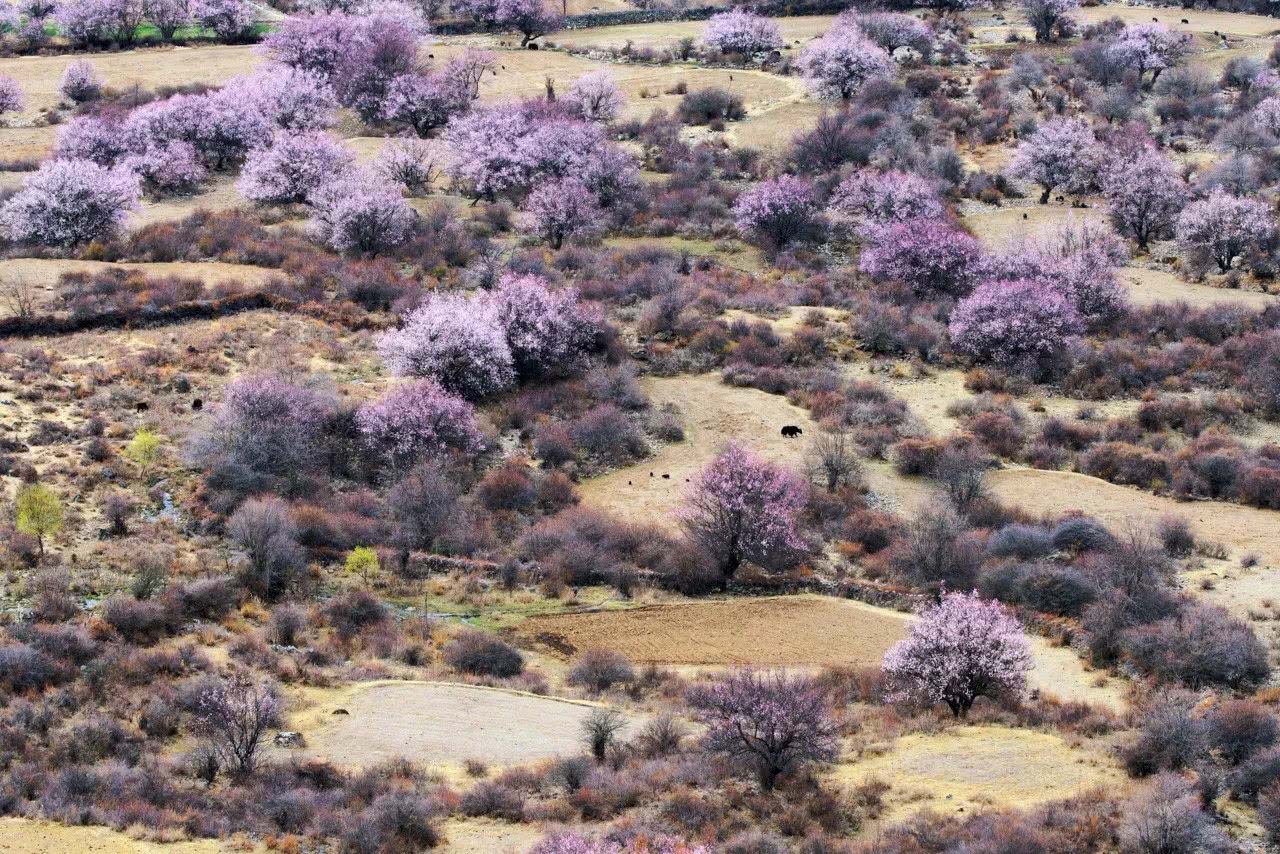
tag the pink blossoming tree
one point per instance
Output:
(293, 167)
(425, 102)
(230, 20)
(360, 213)
(1079, 261)
(549, 332)
(418, 420)
(1017, 324)
(287, 98)
(883, 197)
(90, 138)
(1149, 48)
(1223, 227)
(11, 97)
(930, 256)
(1061, 155)
(891, 30)
(742, 508)
(80, 82)
(779, 211)
(1145, 196)
(595, 96)
(69, 202)
(741, 31)
(168, 16)
(773, 723)
(840, 63)
(165, 168)
(457, 342)
(529, 18)
(959, 650)
(561, 210)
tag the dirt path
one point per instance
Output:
(439, 723)
(782, 631)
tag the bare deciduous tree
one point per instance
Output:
(18, 296)
(234, 717)
(600, 729)
(832, 459)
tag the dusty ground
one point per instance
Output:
(25, 836)
(780, 631)
(439, 724)
(1153, 286)
(963, 769)
(783, 631)
(486, 836)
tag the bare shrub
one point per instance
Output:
(482, 654)
(600, 669)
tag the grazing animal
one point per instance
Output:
(1024, 216)
(142, 406)
(666, 477)
(197, 405)
(341, 712)
(791, 431)
(1154, 18)
(1185, 21)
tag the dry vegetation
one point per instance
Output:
(513, 607)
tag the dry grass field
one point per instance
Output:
(963, 769)
(438, 724)
(1241, 529)
(774, 631)
(44, 274)
(27, 836)
(1198, 21)
(795, 30)
(487, 836)
(1154, 286)
(784, 631)
(1002, 227)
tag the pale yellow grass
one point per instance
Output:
(713, 415)
(783, 631)
(28, 836)
(775, 127)
(1146, 287)
(1001, 227)
(487, 836)
(1241, 529)
(439, 724)
(1231, 23)
(794, 30)
(964, 769)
